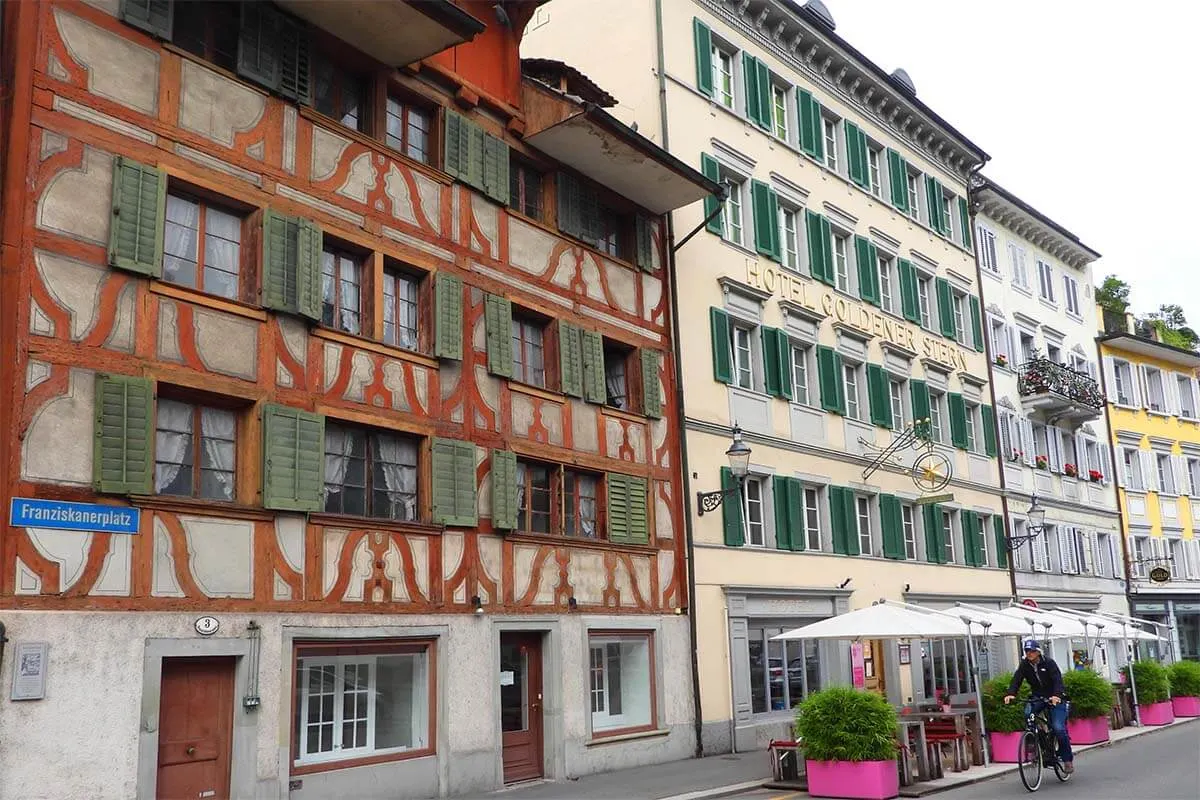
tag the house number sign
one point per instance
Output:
(207, 626)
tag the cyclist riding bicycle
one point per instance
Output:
(1045, 683)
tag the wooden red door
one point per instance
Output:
(195, 728)
(521, 706)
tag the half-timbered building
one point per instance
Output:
(360, 327)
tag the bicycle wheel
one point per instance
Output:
(1029, 761)
(1060, 771)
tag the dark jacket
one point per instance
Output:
(1044, 678)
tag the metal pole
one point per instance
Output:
(978, 688)
(1137, 713)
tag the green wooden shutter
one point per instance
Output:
(453, 476)
(139, 197)
(920, 399)
(976, 322)
(645, 243)
(837, 520)
(570, 205)
(293, 459)
(651, 388)
(594, 390)
(628, 521)
(258, 45)
(448, 319)
(964, 218)
(933, 203)
(856, 151)
(898, 179)
(935, 552)
(504, 490)
(1001, 541)
(770, 356)
(850, 514)
(827, 249)
(722, 355)
(456, 145)
(702, 38)
(712, 171)
(812, 137)
(295, 61)
(910, 302)
(877, 394)
(829, 376)
(958, 421)
(783, 526)
(310, 243)
(867, 258)
(818, 264)
(731, 510)
(765, 100)
(892, 523)
(280, 239)
(766, 219)
(123, 455)
(989, 429)
(570, 358)
(966, 525)
(945, 303)
(497, 312)
(495, 169)
(750, 75)
(155, 17)
(785, 364)
(795, 513)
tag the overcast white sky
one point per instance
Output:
(1086, 107)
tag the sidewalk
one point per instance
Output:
(690, 779)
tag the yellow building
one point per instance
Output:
(1154, 419)
(829, 302)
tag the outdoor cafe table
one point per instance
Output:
(960, 717)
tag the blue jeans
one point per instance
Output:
(1058, 723)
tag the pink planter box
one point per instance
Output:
(1006, 746)
(1156, 713)
(858, 780)
(1186, 706)
(1088, 731)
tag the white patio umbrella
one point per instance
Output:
(1056, 626)
(990, 621)
(882, 620)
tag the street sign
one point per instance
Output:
(28, 512)
(1029, 601)
(1160, 575)
(934, 498)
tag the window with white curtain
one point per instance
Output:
(619, 680)
(202, 246)
(370, 473)
(194, 450)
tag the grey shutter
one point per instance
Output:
(504, 490)
(155, 17)
(498, 322)
(495, 169)
(645, 243)
(594, 390)
(453, 474)
(258, 45)
(447, 300)
(570, 205)
(139, 197)
(570, 358)
(295, 61)
(293, 459)
(123, 456)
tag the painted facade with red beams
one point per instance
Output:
(372, 329)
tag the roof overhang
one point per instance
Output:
(394, 32)
(591, 141)
(1001, 205)
(1151, 349)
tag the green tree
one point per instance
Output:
(1172, 327)
(1113, 295)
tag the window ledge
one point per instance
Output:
(202, 507)
(1025, 290)
(535, 391)
(358, 523)
(329, 766)
(620, 413)
(996, 276)
(376, 146)
(351, 340)
(556, 540)
(1048, 303)
(601, 739)
(160, 287)
(599, 253)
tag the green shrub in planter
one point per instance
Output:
(1090, 695)
(843, 724)
(1000, 718)
(1184, 677)
(1150, 682)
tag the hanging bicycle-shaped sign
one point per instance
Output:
(930, 470)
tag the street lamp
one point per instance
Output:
(1035, 525)
(739, 464)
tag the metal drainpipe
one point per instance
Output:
(689, 544)
(1127, 555)
(990, 356)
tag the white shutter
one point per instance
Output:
(1088, 549)
(1117, 563)
(1054, 446)
(1143, 391)
(1149, 471)
(1010, 333)
(1081, 455)
(1027, 443)
(1106, 462)
(1171, 392)
(1194, 559)
(1066, 550)
(1110, 378)
(1039, 552)
(1183, 481)
(1006, 444)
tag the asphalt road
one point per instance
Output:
(1156, 766)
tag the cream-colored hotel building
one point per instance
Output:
(829, 302)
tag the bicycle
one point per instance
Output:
(1038, 747)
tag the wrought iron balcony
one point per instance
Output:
(1058, 391)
